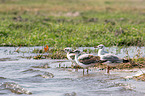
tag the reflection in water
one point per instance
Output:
(45, 66)
(30, 70)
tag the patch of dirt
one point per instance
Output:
(140, 77)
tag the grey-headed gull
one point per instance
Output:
(86, 60)
(112, 60)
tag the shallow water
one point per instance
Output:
(24, 76)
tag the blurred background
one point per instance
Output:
(74, 23)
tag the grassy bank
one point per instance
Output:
(74, 23)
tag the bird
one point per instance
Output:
(70, 55)
(111, 59)
(86, 60)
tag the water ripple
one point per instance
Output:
(14, 88)
(45, 75)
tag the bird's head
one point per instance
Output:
(101, 46)
(77, 51)
(67, 49)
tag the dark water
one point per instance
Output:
(24, 76)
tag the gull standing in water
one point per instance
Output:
(86, 60)
(112, 60)
(70, 55)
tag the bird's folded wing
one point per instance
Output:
(112, 58)
(88, 59)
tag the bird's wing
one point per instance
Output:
(112, 58)
(88, 59)
(83, 56)
(105, 52)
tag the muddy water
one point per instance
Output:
(19, 75)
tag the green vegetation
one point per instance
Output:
(74, 23)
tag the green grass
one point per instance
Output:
(74, 23)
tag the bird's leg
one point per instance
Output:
(83, 71)
(72, 65)
(108, 68)
(59, 65)
(87, 70)
(76, 67)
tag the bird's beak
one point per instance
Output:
(96, 47)
(62, 50)
(72, 51)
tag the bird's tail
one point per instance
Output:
(102, 61)
(126, 61)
